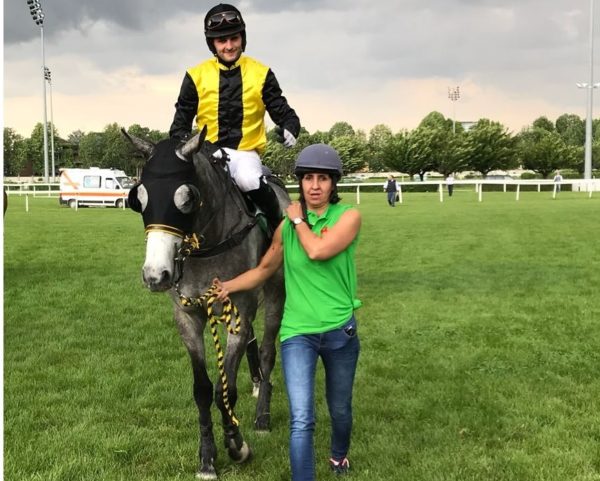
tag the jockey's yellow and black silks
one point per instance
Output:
(231, 102)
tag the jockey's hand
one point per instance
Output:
(285, 137)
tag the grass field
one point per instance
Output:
(480, 348)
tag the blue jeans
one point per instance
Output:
(339, 351)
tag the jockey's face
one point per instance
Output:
(229, 48)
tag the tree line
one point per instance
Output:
(436, 144)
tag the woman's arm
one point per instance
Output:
(331, 242)
(252, 278)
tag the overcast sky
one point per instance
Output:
(362, 61)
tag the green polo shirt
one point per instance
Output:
(320, 295)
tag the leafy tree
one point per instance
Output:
(341, 129)
(14, 152)
(379, 137)
(75, 137)
(424, 149)
(397, 153)
(489, 146)
(34, 150)
(436, 120)
(542, 151)
(115, 154)
(352, 150)
(91, 148)
(571, 128)
(455, 157)
(543, 123)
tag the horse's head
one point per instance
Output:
(167, 196)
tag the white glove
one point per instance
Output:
(288, 139)
(285, 137)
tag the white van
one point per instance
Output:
(94, 186)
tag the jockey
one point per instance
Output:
(230, 93)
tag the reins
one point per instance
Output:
(230, 316)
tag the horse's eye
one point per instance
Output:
(141, 200)
(186, 198)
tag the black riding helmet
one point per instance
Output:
(221, 21)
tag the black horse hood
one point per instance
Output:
(162, 175)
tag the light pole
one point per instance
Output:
(37, 14)
(48, 77)
(454, 95)
(589, 86)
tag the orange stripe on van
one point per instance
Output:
(75, 185)
(87, 193)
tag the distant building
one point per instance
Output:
(467, 124)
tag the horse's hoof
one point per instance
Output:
(206, 473)
(262, 424)
(240, 456)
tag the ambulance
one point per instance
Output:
(94, 187)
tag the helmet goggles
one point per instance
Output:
(219, 20)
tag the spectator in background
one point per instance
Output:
(391, 187)
(557, 181)
(450, 184)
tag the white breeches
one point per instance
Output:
(245, 168)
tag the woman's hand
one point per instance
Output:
(222, 292)
(294, 210)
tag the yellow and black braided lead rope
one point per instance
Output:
(231, 318)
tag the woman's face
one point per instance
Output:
(317, 188)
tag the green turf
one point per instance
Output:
(480, 348)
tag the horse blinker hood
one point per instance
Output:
(162, 175)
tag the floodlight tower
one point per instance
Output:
(48, 77)
(454, 95)
(589, 86)
(37, 14)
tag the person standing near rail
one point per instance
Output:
(316, 244)
(391, 187)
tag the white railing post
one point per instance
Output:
(480, 192)
(399, 193)
(441, 192)
(358, 195)
(26, 202)
(518, 190)
(554, 192)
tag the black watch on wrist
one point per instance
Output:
(297, 221)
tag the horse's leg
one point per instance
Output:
(274, 295)
(234, 442)
(190, 329)
(253, 356)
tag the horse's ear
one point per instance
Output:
(144, 146)
(193, 145)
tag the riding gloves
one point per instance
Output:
(285, 137)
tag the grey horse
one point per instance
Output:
(184, 190)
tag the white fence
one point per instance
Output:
(478, 186)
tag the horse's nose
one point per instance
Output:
(157, 281)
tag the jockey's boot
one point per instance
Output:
(265, 198)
